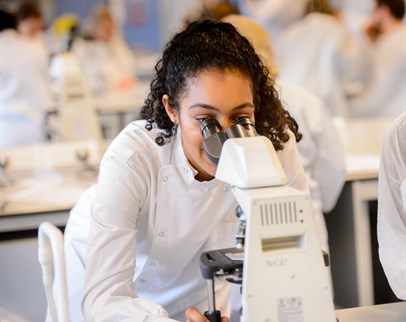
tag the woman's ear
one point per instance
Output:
(172, 113)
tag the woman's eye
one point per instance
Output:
(238, 118)
(202, 118)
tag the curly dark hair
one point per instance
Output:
(208, 45)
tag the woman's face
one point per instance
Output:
(104, 30)
(224, 96)
(30, 27)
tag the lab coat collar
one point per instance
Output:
(185, 168)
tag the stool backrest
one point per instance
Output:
(51, 256)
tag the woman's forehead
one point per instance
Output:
(215, 73)
(214, 85)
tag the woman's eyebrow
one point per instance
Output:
(213, 108)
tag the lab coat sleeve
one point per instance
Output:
(290, 160)
(328, 168)
(320, 149)
(109, 293)
(391, 227)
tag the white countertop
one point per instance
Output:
(393, 312)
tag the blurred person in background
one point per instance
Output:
(385, 90)
(25, 94)
(391, 226)
(29, 19)
(354, 14)
(320, 54)
(30, 24)
(106, 59)
(274, 15)
(223, 8)
(213, 11)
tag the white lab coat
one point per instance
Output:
(320, 54)
(321, 152)
(391, 227)
(150, 221)
(25, 93)
(385, 90)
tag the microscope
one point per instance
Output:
(75, 107)
(277, 258)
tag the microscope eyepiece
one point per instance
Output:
(249, 127)
(214, 137)
(208, 127)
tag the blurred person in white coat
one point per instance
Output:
(320, 150)
(29, 19)
(25, 93)
(391, 226)
(30, 23)
(275, 15)
(385, 90)
(106, 59)
(320, 54)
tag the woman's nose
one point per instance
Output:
(226, 123)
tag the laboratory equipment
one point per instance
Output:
(277, 258)
(76, 108)
(5, 178)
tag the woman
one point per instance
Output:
(157, 205)
(106, 59)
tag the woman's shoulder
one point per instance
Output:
(11, 37)
(396, 131)
(134, 140)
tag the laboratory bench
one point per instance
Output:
(108, 111)
(24, 207)
(40, 183)
(392, 312)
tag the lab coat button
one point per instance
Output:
(165, 179)
(185, 170)
(161, 234)
(142, 280)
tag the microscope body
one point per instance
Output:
(284, 275)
